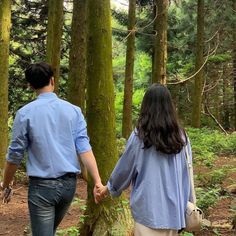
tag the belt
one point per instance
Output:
(67, 175)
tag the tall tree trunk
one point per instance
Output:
(113, 216)
(54, 36)
(197, 94)
(129, 70)
(5, 24)
(77, 57)
(160, 44)
(234, 68)
(77, 60)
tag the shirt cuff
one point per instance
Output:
(82, 148)
(113, 191)
(14, 159)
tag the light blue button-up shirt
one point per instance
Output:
(53, 132)
(160, 184)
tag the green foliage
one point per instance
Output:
(78, 201)
(186, 234)
(219, 58)
(71, 231)
(207, 197)
(207, 143)
(121, 145)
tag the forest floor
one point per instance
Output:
(14, 218)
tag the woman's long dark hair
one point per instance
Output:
(158, 124)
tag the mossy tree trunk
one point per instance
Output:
(160, 44)
(5, 24)
(129, 70)
(77, 60)
(112, 217)
(234, 67)
(54, 37)
(198, 83)
(77, 57)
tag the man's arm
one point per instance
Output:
(9, 172)
(89, 161)
(15, 153)
(86, 154)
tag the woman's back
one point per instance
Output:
(160, 184)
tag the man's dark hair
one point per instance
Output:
(38, 75)
(158, 125)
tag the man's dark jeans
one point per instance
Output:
(48, 200)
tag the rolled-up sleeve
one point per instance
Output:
(19, 141)
(125, 170)
(82, 140)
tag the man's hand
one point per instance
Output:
(6, 193)
(96, 192)
(100, 193)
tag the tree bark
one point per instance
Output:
(160, 44)
(129, 70)
(112, 217)
(5, 24)
(54, 37)
(226, 108)
(77, 60)
(234, 68)
(77, 57)
(198, 83)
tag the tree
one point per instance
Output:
(234, 67)
(160, 44)
(77, 57)
(104, 219)
(55, 25)
(129, 70)
(5, 23)
(198, 82)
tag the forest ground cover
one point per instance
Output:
(215, 171)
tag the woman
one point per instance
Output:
(154, 162)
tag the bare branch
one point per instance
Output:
(214, 118)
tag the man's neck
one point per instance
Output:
(44, 90)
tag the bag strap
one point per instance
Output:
(190, 174)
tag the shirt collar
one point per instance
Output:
(47, 95)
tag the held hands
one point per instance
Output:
(100, 192)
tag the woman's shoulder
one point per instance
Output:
(133, 138)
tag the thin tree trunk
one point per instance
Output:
(197, 95)
(160, 44)
(129, 70)
(226, 111)
(5, 24)
(77, 58)
(104, 219)
(54, 37)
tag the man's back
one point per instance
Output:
(52, 130)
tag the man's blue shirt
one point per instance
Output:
(53, 132)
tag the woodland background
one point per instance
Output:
(105, 55)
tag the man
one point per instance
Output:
(53, 132)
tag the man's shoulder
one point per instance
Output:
(70, 105)
(25, 108)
